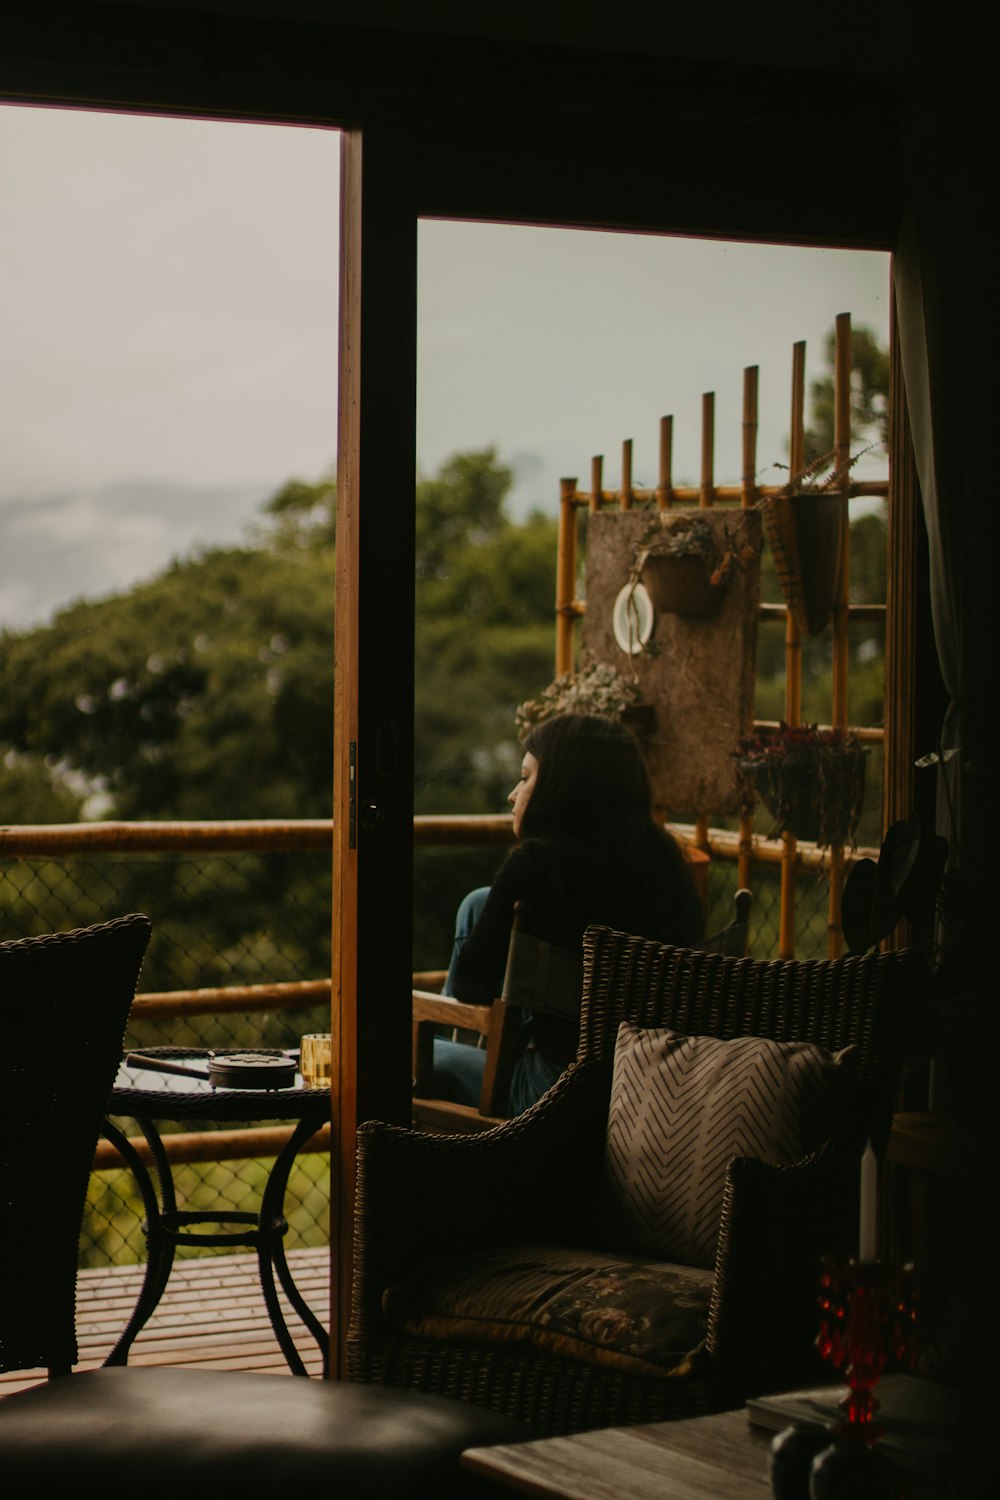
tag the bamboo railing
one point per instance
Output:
(452, 830)
(748, 493)
(312, 834)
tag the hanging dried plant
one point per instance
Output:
(811, 780)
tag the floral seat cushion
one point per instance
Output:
(621, 1311)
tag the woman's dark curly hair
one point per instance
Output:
(592, 779)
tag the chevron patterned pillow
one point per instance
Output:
(683, 1106)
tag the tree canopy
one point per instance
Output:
(207, 691)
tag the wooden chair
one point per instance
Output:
(433, 1211)
(539, 977)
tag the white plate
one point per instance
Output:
(632, 618)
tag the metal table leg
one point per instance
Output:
(271, 1254)
(165, 1227)
(159, 1246)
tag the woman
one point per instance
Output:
(588, 852)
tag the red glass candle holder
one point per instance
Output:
(867, 1318)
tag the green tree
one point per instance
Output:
(31, 792)
(484, 641)
(203, 693)
(207, 692)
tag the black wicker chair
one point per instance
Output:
(64, 1002)
(531, 1182)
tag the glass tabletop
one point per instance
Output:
(148, 1089)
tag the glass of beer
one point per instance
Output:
(314, 1060)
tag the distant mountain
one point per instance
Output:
(61, 548)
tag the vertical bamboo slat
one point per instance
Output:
(748, 485)
(793, 660)
(625, 498)
(664, 488)
(748, 498)
(596, 482)
(565, 576)
(842, 451)
(707, 489)
(841, 640)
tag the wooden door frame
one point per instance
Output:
(373, 673)
(465, 139)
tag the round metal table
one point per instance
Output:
(147, 1096)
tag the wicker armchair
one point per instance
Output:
(531, 1181)
(64, 1002)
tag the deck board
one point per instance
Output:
(211, 1316)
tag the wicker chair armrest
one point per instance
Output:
(527, 1180)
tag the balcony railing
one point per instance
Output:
(247, 905)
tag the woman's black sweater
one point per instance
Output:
(641, 885)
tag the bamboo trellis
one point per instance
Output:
(748, 493)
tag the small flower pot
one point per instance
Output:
(681, 585)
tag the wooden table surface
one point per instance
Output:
(720, 1457)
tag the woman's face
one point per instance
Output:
(521, 795)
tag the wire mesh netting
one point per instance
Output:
(238, 919)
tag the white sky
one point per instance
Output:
(168, 313)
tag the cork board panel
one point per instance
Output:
(697, 673)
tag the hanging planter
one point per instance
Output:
(805, 525)
(812, 781)
(681, 585)
(682, 565)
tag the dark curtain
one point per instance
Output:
(944, 277)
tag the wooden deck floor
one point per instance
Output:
(212, 1315)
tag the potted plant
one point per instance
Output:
(682, 564)
(805, 526)
(595, 689)
(811, 780)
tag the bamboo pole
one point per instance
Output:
(793, 659)
(293, 995)
(664, 488)
(748, 483)
(625, 498)
(596, 482)
(842, 453)
(445, 830)
(841, 613)
(690, 494)
(748, 498)
(706, 495)
(212, 1145)
(28, 840)
(170, 837)
(724, 844)
(706, 491)
(565, 576)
